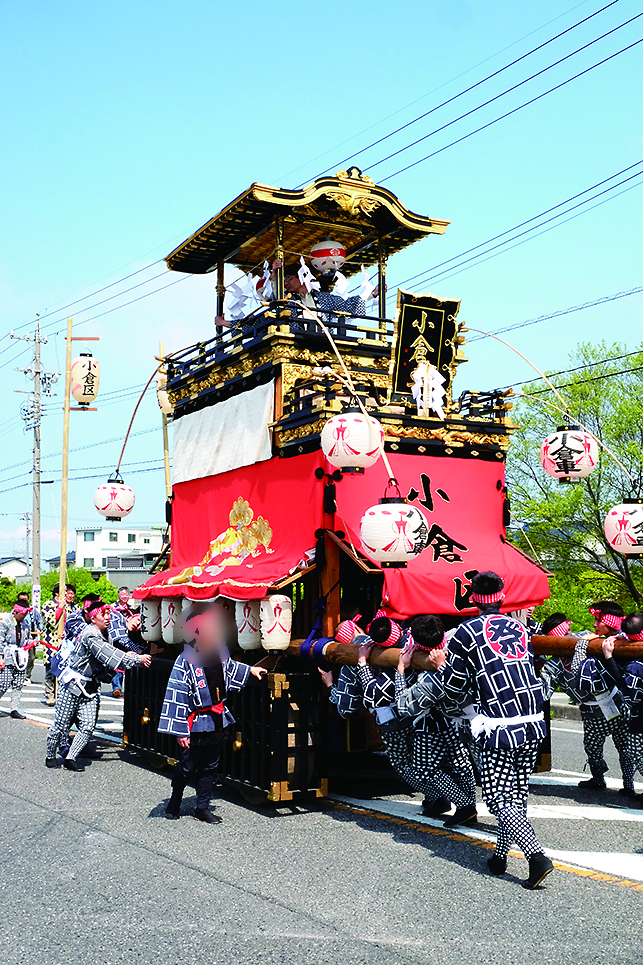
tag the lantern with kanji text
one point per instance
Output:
(569, 454)
(85, 376)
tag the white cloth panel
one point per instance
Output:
(224, 436)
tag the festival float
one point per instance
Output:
(321, 467)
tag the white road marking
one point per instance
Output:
(567, 730)
(628, 866)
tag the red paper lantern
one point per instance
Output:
(351, 442)
(623, 527)
(114, 499)
(327, 255)
(393, 532)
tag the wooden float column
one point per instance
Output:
(329, 586)
(381, 298)
(278, 288)
(220, 292)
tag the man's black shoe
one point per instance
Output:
(496, 865)
(71, 765)
(171, 815)
(593, 785)
(629, 792)
(17, 715)
(539, 867)
(52, 762)
(205, 815)
(433, 809)
(466, 815)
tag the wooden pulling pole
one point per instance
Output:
(348, 653)
(62, 579)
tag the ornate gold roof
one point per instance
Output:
(349, 207)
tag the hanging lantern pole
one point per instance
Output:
(62, 576)
(565, 410)
(348, 382)
(525, 395)
(166, 447)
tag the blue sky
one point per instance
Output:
(127, 125)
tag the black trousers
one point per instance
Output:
(197, 765)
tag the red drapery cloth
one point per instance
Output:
(237, 533)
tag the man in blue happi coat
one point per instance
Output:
(194, 709)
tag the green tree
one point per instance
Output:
(84, 583)
(564, 523)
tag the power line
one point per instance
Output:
(479, 83)
(564, 311)
(596, 378)
(535, 217)
(450, 273)
(434, 90)
(577, 368)
(90, 295)
(515, 110)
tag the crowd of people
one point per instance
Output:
(479, 710)
(476, 713)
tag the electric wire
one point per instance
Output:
(473, 87)
(515, 110)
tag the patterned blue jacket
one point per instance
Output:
(187, 693)
(491, 666)
(633, 694)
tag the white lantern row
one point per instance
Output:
(624, 527)
(351, 442)
(569, 453)
(151, 620)
(85, 377)
(266, 623)
(394, 532)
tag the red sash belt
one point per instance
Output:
(215, 708)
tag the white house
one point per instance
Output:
(13, 568)
(123, 553)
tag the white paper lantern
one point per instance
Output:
(85, 376)
(276, 622)
(151, 620)
(569, 453)
(248, 619)
(171, 627)
(352, 442)
(327, 255)
(393, 532)
(624, 527)
(114, 499)
(162, 397)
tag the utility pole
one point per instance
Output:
(35, 546)
(26, 519)
(31, 411)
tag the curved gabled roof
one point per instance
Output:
(349, 207)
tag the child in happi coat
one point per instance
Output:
(194, 709)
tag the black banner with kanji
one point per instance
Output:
(425, 331)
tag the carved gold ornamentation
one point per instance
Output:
(282, 436)
(451, 437)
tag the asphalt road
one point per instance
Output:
(93, 874)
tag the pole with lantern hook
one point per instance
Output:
(565, 411)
